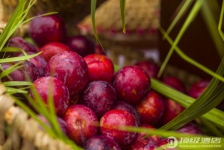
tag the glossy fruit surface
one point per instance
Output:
(39, 62)
(122, 105)
(151, 68)
(50, 86)
(99, 96)
(81, 45)
(131, 84)
(19, 42)
(171, 110)
(30, 71)
(81, 122)
(45, 29)
(114, 118)
(100, 67)
(70, 68)
(198, 88)
(190, 128)
(101, 142)
(52, 48)
(174, 83)
(16, 75)
(151, 108)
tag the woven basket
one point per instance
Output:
(25, 133)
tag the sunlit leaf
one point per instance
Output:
(194, 11)
(122, 7)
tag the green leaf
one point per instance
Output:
(197, 6)
(9, 70)
(190, 60)
(216, 116)
(19, 58)
(93, 10)
(184, 7)
(209, 99)
(221, 21)
(17, 83)
(212, 24)
(122, 7)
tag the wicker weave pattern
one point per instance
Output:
(25, 133)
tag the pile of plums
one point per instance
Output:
(92, 100)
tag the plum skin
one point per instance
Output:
(99, 96)
(151, 108)
(70, 68)
(122, 105)
(81, 44)
(81, 122)
(151, 68)
(52, 48)
(45, 29)
(100, 67)
(115, 118)
(59, 90)
(101, 142)
(131, 84)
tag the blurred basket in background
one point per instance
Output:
(141, 40)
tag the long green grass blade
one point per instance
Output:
(122, 7)
(34, 116)
(212, 24)
(93, 10)
(15, 19)
(17, 83)
(19, 58)
(190, 60)
(182, 11)
(197, 6)
(9, 70)
(202, 105)
(216, 116)
(221, 22)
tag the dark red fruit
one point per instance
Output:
(62, 124)
(52, 48)
(138, 145)
(99, 96)
(127, 107)
(131, 84)
(174, 83)
(100, 67)
(46, 29)
(190, 128)
(171, 110)
(16, 75)
(144, 137)
(151, 68)
(22, 44)
(81, 122)
(99, 50)
(50, 86)
(151, 108)
(101, 142)
(70, 68)
(39, 62)
(30, 71)
(81, 45)
(198, 88)
(115, 118)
